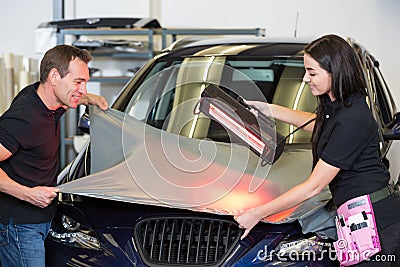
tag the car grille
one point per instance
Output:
(185, 241)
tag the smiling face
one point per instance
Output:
(69, 90)
(319, 80)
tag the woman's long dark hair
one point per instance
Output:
(338, 58)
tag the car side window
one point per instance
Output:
(167, 99)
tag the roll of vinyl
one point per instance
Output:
(24, 79)
(8, 86)
(8, 59)
(2, 104)
(34, 76)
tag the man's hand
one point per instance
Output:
(41, 196)
(92, 99)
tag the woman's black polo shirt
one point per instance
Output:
(349, 141)
(31, 132)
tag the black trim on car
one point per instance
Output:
(185, 241)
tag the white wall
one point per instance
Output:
(114, 8)
(372, 22)
(18, 20)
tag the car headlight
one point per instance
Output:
(301, 248)
(71, 232)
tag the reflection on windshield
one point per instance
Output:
(166, 100)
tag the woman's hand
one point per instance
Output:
(320, 178)
(247, 220)
(259, 106)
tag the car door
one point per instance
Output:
(382, 102)
(379, 97)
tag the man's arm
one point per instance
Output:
(4, 153)
(40, 196)
(91, 99)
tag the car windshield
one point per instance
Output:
(172, 89)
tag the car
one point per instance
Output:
(159, 180)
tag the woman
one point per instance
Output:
(344, 142)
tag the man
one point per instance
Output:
(29, 143)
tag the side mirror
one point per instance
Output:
(393, 129)
(84, 121)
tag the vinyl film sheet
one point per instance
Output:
(137, 163)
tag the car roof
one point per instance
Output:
(250, 40)
(250, 47)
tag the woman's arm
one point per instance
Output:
(321, 176)
(290, 116)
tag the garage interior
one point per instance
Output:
(27, 34)
(375, 27)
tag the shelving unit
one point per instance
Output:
(68, 123)
(143, 54)
(131, 32)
